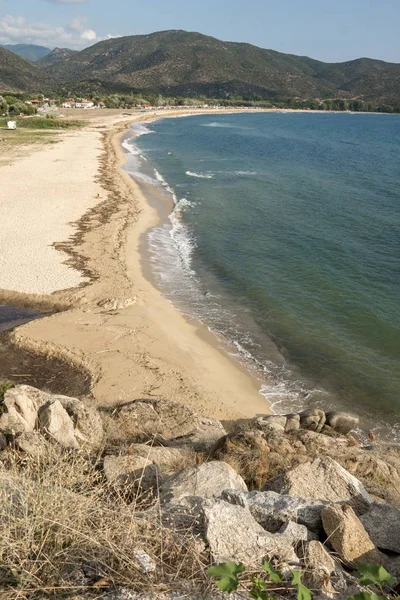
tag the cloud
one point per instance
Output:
(75, 35)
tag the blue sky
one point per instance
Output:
(334, 30)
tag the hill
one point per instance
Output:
(18, 74)
(28, 51)
(190, 64)
(55, 56)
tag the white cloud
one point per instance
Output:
(75, 35)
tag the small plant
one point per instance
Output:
(4, 386)
(227, 576)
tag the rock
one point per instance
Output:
(292, 423)
(146, 564)
(168, 459)
(206, 436)
(319, 567)
(382, 523)
(323, 479)
(160, 417)
(313, 419)
(127, 472)
(56, 423)
(295, 533)
(88, 426)
(207, 480)
(272, 423)
(272, 511)
(233, 535)
(20, 409)
(341, 422)
(32, 443)
(347, 536)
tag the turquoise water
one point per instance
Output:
(285, 240)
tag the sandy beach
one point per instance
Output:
(75, 250)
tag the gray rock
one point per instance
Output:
(341, 422)
(161, 417)
(295, 533)
(271, 423)
(272, 510)
(233, 535)
(32, 443)
(323, 479)
(207, 480)
(292, 423)
(55, 422)
(319, 567)
(124, 472)
(20, 409)
(206, 435)
(169, 459)
(88, 426)
(382, 523)
(347, 536)
(313, 419)
(13, 497)
(146, 564)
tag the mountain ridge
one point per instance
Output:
(31, 52)
(190, 64)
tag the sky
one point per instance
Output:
(332, 31)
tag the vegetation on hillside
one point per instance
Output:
(180, 63)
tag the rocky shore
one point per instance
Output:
(141, 498)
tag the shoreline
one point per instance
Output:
(119, 327)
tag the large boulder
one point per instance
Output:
(208, 480)
(169, 459)
(19, 408)
(296, 533)
(57, 425)
(233, 535)
(382, 523)
(347, 536)
(323, 479)
(272, 510)
(319, 567)
(341, 422)
(88, 426)
(131, 472)
(164, 418)
(172, 421)
(32, 443)
(312, 419)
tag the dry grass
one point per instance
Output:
(65, 531)
(247, 453)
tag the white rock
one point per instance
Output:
(207, 480)
(323, 479)
(233, 535)
(55, 422)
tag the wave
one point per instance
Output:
(216, 124)
(200, 175)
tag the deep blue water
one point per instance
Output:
(285, 240)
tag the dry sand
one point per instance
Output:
(119, 327)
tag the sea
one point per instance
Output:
(281, 233)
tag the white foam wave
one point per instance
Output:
(200, 175)
(140, 129)
(218, 124)
(132, 149)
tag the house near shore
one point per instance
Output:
(78, 104)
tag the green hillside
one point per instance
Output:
(29, 51)
(190, 64)
(18, 74)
